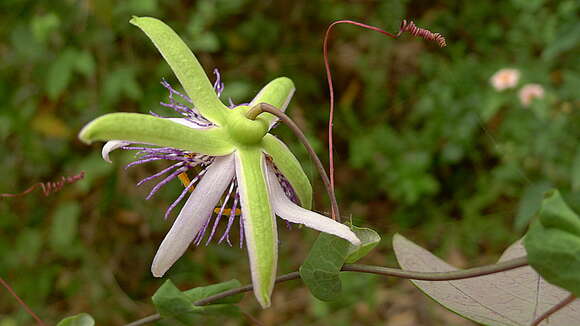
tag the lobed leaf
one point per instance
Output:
(170, 302)
(203, 292)
(320, 271)
(369, 240)
(512, 298)
(82, 319)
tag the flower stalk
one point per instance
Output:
(256, 110)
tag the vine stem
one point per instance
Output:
(330, 87)
(554, 309)
(265, 107)
(385, 271)
(439, 276)
(21, 302)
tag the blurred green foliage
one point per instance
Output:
(423, 143)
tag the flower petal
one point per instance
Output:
(287, 163)
(259, 222)
(147, 129)
(194, 214)
(111, 146)
(185, 66)
(278, 93)
(291, 212)
(187, 123)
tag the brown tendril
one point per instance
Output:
(423, 33)
(50, 186)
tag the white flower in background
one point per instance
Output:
(529, 92)
(505, 78)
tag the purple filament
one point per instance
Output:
(189, 112)
(165, 181)
(160, 173)
(142, 161)
(242, 230)
(184, 192)
(232, 217)
(219, 215)
(218, 85)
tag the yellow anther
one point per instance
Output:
(185, 181)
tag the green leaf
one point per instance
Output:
(259, 222)
(143, 128)
(320, 271)
(171, 302)
(203, 292)
(82, 319)
(530, 203)
(290, 167)
(186, 67)
(512, 298)
(369, 240)
(553, 244)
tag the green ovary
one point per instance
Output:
(245, 131)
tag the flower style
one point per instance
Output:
(505, 78)
(237, 156)
(529, 92)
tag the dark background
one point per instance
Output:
(424, 145)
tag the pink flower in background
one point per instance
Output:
(529, 92)
(505, 78)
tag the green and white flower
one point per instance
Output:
(232, 150)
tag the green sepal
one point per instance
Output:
(321, 269)
(171, 302)
(277, 93)
(553, 244)
(185, 66)
(290, 167)
(143, 128)
(259, 223)
(82, 319)
(369, 240)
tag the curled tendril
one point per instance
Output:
(423, 33)
(50, 186)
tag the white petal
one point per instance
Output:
(187, 123)
(286, 209)
(194, 214)
(112, 145)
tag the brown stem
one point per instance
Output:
(21, 302)
(554, 309)
(265, 107)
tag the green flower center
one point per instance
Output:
(245, 131)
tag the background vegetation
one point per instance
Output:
(424, 145)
